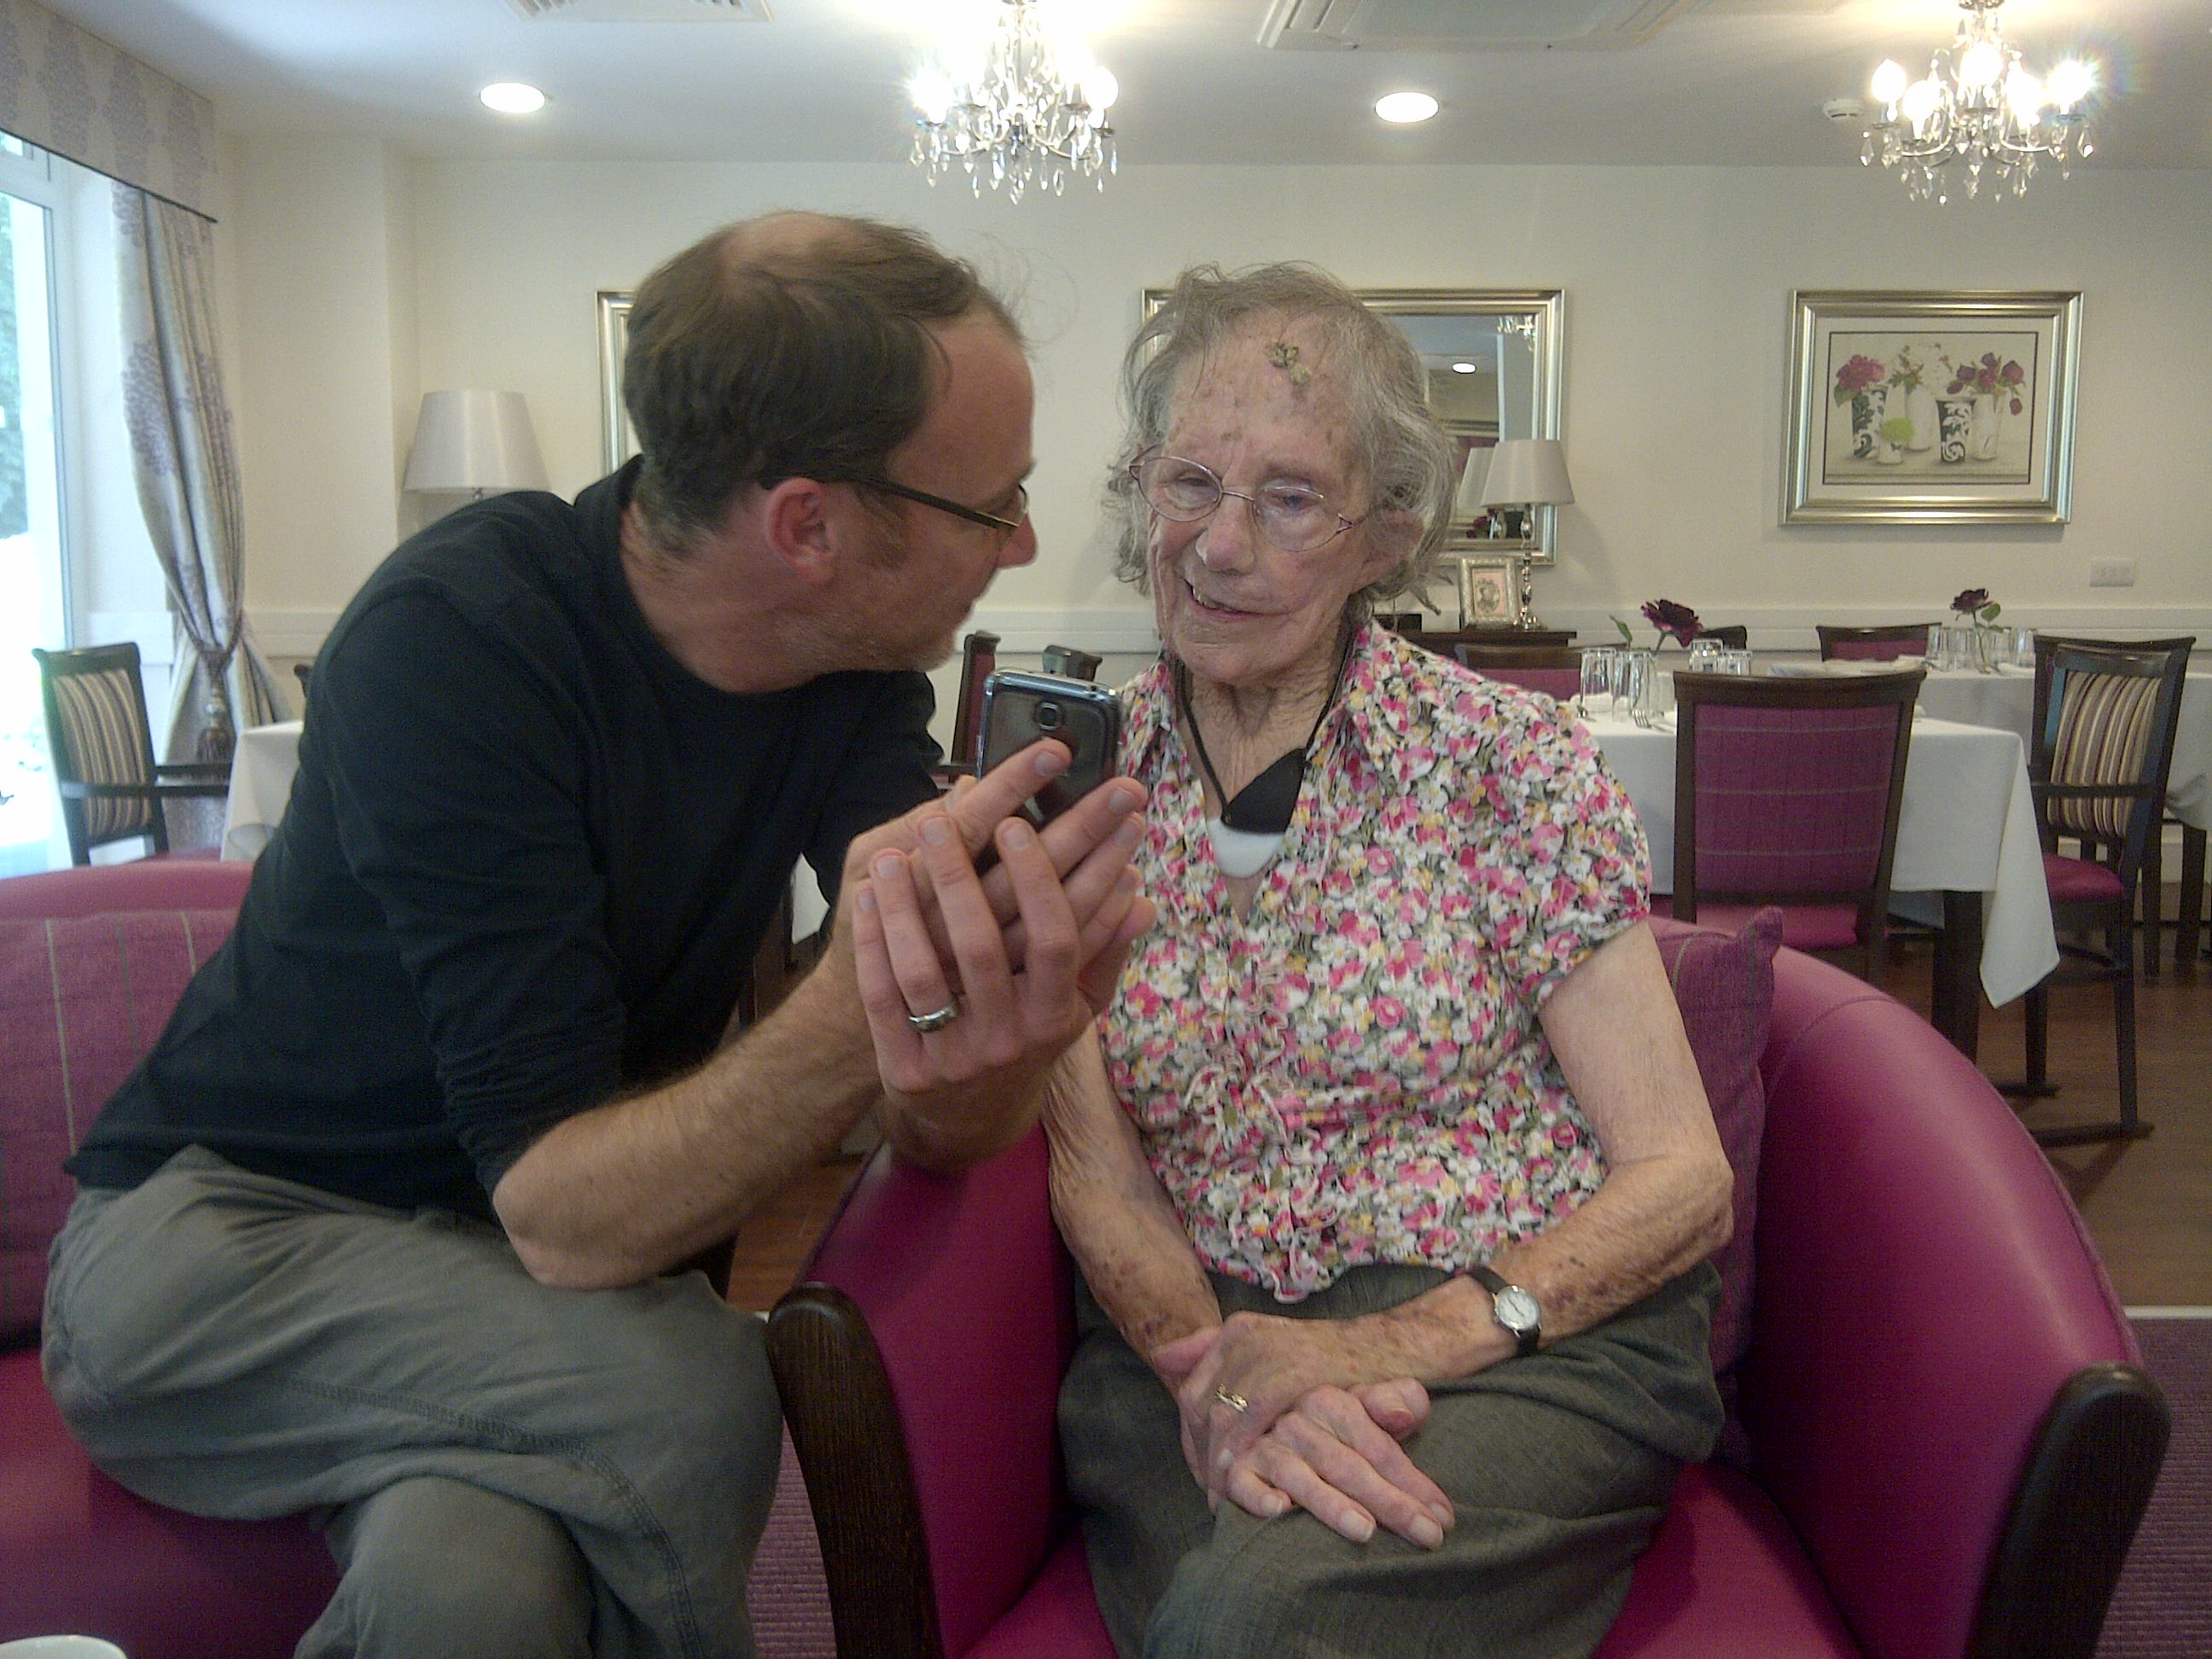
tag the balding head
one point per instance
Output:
(796, 345)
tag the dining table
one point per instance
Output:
(2004, 697)
(261, 769)
(1966, 851)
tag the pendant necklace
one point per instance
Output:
(1251, 829)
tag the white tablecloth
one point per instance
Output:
(260, 783)
(1967, 825)
(2005, 700)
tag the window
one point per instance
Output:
(34, 556)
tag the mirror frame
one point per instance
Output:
(617, 443)
(1545, 309)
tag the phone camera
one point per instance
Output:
(1048, 717)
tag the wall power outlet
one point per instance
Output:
(2111, 573)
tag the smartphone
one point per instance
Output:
(1020, 708)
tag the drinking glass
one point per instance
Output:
(1631, 683)
(1735, 660)
(1939, 645)
(1596, 680)
(1706, 656)
(2020, 643)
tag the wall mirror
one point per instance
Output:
(1493, 357)
(1493, 361)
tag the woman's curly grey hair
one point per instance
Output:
(1399, 450)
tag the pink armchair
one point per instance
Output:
(1950, 1438)
(91, 961)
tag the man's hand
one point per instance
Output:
(1022, 978)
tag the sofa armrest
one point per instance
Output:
(930, 1336)
(1943, 1394)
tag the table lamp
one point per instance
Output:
(479, 441)
(1530, 473)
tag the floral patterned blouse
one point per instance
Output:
(1352, 1071)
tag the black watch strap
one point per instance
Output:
(1525, 1336)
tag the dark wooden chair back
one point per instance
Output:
(1735, 636)
(1885, 643)
(979, 655)
(1554, 669)
(1787, 792)
(102, 749)
(1066, 660)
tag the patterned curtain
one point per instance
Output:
(187, 470)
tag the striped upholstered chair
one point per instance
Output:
(2103, 744)
(1787, 793)
(103, 751)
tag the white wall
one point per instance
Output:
(1678, 283)
(323, 277)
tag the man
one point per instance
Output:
(386, 1227)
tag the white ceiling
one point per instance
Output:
(1730, 82)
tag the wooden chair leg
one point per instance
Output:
(2038, 1041)
(2154, 899)
(2189, 913)
(2124, 1024)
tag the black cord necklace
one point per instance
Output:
(1249, 832)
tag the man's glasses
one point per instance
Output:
(1293, 516)
(1006, 527)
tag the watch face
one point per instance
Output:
(1516, 1308)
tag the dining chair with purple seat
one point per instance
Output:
(2152, 885)
(1787, 793)
(1556, 671)
(2104, 746)
(1885, 643)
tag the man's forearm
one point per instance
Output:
(628, 1189)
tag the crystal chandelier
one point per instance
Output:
(1030, 109)
(1978, 106)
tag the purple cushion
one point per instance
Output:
(80, 998)
(2080, 881)
(1724, 985)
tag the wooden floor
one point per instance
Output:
(2147, 1203)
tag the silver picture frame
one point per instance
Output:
(618, 443)
(1490, 591)
(1931, 407)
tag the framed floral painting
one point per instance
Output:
(1931, 408)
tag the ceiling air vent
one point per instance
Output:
(640, 11)
(1462, 25)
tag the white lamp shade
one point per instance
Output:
(1469, 503)
(1527, 473)
(479, 440)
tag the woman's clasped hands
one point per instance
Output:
(1283, 1412)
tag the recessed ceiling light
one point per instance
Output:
(1404, 107)
(512, 98)
(1462, 369)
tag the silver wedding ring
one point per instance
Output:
(1236, 1402)
(938, 1021)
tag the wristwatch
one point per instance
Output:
(1513, 1308)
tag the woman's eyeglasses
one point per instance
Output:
(1294, 518)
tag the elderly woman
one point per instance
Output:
(1389, 1168)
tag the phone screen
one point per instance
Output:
(1019, 708)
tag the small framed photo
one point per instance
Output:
(1489, 591)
